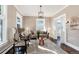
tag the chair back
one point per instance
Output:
(16, 36)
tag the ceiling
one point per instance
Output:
(32, 10)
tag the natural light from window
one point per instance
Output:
(40, 24)
(3, 24)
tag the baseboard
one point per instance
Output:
(73, 46)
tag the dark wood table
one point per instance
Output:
(21, 49)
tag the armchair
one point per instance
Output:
(33, 36)
(19, 46)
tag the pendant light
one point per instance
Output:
(41, 13)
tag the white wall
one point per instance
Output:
(72, 36)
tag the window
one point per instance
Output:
(40, 24)
(3, 24)
(0, 9)
(1, 28)
(18, 20)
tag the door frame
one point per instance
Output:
(57, 18)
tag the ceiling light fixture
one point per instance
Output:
(40, 13)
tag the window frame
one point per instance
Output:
(38, 20)
(18, 16)
(3, 16)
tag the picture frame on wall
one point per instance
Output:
(74, 23)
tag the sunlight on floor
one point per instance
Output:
(41, 47)
(30, 43)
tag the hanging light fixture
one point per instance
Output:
(40, 13)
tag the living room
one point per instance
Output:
(27, 20)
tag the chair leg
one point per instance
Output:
(13, 48)
(25, 47)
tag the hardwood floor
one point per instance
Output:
(66, 47)
(34, 48)
(48, 48)
(63, 46)
(69, 49)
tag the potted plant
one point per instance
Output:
(38, 34)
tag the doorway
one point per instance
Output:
(59, 28)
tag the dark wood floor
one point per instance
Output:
(66, 47)
(69, 49)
